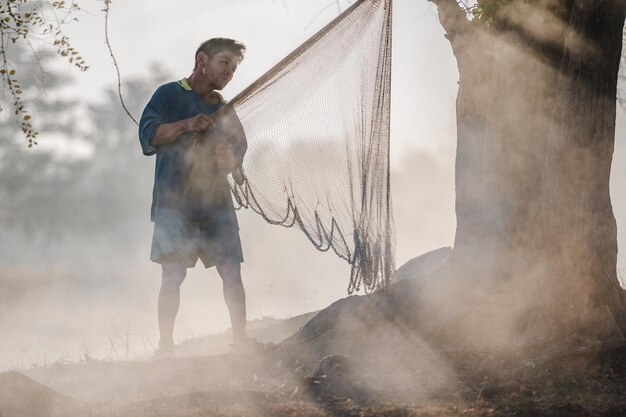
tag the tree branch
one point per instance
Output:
(117, 68)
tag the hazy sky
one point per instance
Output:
(142, 34)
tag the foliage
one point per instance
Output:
(25, 21)
(483, 11)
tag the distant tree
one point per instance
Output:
(31, 184)
(99, 195)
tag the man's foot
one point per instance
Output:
(246, 345)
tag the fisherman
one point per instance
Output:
(192, 207)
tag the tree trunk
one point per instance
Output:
(536, 237)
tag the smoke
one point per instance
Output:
(76, 278)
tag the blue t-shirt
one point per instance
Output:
(170, 103)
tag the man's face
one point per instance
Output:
(219, 70)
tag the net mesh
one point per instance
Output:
(317, 127)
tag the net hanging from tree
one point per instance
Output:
(317, 127)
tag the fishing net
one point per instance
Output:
(317, 129)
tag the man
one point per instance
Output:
(192, 208)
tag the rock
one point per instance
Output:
(21, 396)
(422, 265)
(334, 379)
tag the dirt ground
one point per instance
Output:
(275, 382)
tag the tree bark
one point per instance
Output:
(536, 129)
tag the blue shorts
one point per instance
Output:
(214, 240)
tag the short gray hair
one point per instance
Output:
(216, 45)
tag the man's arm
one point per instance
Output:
(155, 126)
(167, 132)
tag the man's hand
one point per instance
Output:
(199, 123)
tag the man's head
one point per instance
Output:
(216, 62)
(217, 59)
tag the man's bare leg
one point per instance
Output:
(235, 297)
(169, 300)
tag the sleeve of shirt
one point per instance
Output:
(157, 111)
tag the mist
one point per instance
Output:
(86, 289)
